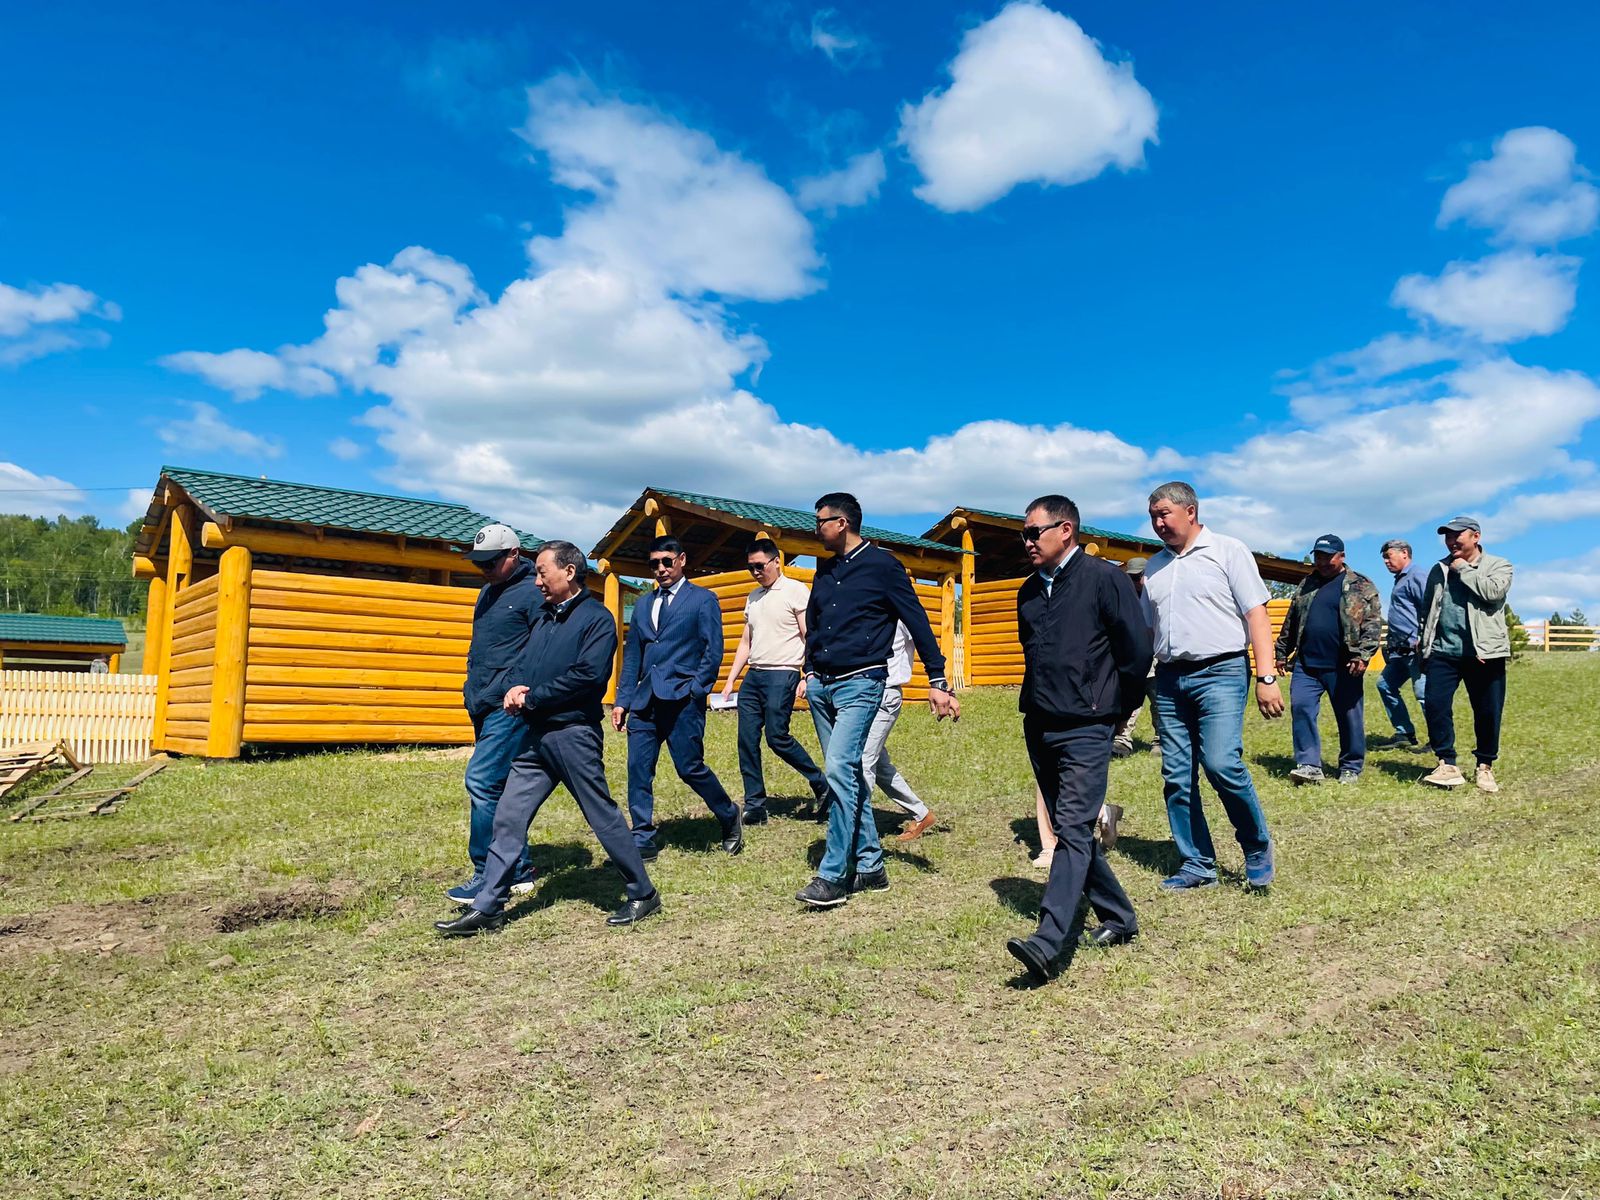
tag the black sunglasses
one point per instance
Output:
(757, 568)
(657, 563)
(1032, 533)
(821, 521)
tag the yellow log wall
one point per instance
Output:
(333, 659)
(190, 663)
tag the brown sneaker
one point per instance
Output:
(1486, 781)
(916, 829)
(1044, 858)
(1105, 825)
(1445, 775)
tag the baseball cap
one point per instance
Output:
(493, 541)
(1135, 566)
(1457, 524)
(1329, 543)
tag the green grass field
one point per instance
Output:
(231, 988)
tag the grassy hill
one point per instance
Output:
(231, 989)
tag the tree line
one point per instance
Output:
(69, 567)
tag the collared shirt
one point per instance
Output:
(900, 660)
(1405, 606)
(1048, 574)
(662, 599)
(773, 615)
(1200, 597)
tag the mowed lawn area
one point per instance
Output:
(232, 988)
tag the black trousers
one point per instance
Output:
(1071, 766)
(1486, 690)
(766, 704)
(569, 755)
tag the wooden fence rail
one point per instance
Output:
(103, 718)
(1545, 636)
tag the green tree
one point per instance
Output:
(1573, 620)
(68, 567)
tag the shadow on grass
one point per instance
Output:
(1025, 830)
(1404, 772)
(1021, 896)
(1158, 856)
(691, 833)
(1275, 764)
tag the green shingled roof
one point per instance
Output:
(1091, 530)
(796, 520)
(67, 631)
(333, 508)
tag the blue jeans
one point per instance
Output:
(1399, 666)
(1347, 694)
(500, 737)
(842, 710)
(1201, 712)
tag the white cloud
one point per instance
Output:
(1558, 586)
(1502, 298)
(205, 430)
(1371, 472)
(135, 504)
(36, 321)
(1530, 191)
(852, 185)
(345, 449)
(1031, 99)
(843, 47)
(247, 373)
(1533, 509)
(28, 494)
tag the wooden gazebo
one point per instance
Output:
(38, 641)
(715, 532)
(291, 613)
(998, 564)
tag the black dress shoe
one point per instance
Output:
(649, 853)
(1106, 936)
(475, 921)
(755, 816)
(733, 841)
(871, 881)
(636, 910)
(1031, 957)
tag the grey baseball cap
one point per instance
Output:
(493, 541)
(1457, 524)
(1135, 566)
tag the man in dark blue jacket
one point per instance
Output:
(669, 667)
(557, 689)
(1086, 652)
(858, 596)
(508, 605)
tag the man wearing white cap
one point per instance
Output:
(502, 620)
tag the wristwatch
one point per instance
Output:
(1266, 679)
(940, 685)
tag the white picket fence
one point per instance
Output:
(104, 718)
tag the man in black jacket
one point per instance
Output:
(558, 688)
(1086, 651)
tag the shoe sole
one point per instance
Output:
(1446, 784)
(809, 903)
(1035, 972)
(1188, 887)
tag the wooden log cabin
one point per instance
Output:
(716, 532)
(291, 613)
(38, 642)
(997, 563)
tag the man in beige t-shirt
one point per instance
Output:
(774, 647)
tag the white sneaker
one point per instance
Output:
(1445, 775)
(1486, 781)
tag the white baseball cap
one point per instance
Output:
(493, 541)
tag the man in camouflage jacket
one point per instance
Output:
(1333, 628)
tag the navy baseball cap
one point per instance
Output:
(1457, 524)
(1329, 543)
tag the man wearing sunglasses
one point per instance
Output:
(502, 621)
(774, 646)
(669, 667)
(1086, 653)
(860, 591)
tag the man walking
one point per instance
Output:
(1330, 633)
(875, 759)
(859, 592)
(1465, 641)
(506, 612)
(774, 646)
(1086, 655)
(1401, 661)
(557, 690)
(668, 669)
(1208, 602)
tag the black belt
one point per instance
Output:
(1198, 664)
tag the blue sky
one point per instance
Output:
(1329, 265)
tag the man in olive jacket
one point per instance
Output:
(1465, 641)
(1332, 630)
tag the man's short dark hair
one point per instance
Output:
(762, 545)
(666, 544)
(1395, 544)
(1057, 508)
(846, 505)
(1177, 492)
(568, 555)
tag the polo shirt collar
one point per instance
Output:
(849, 557)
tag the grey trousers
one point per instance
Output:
(875, 757)
(569, 755)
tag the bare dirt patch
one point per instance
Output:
(295, 904)
(142, 927)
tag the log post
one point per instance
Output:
(225, 729)
(947, 624)
(613, 599)
(969, 585)
(180, 566)
(155, 626)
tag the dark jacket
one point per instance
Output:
(1086, 648)
(678, 659)
(501, 622)
(855, 601)
(1360, 616)
(567, 663)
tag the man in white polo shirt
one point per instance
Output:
(774, 646)
(1209, 603)
(875, 760)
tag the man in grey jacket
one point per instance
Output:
(1465, 641)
